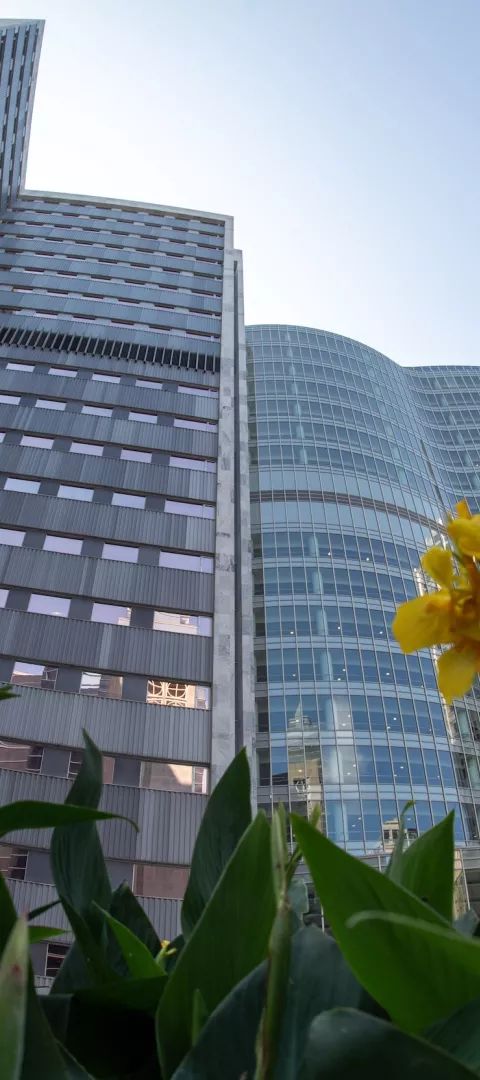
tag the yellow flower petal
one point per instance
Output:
(438, 563)
(465, 533)
(456, 671)
(424, 622)
(463, 509)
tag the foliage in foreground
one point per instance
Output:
(248, 990)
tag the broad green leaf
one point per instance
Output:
(7, 692)
(227, 816)
(298, 898)
(426, 867)
(41, 933)
(126, 908)
(140, 962)
(344, 1043)
(74, 1071)
(346, 886)
(29, 814)
(225, 1049)
(199, 1014)
(319, 979)
(91, 948)
(459, 1034)
(229, 940)
(136, 995)
(13, 1001)
(110, 1040)
(431, 968)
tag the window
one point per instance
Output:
(182, 624)
(37, 675)
(16, 483)
(56, 953)
(135, 455)
(8, 399)
(74, 763)
(185, 695)
(65, 544)
(142, 417)
(95, 410)
(148, 384)
(12, 536)
(169, 776)
(45, 403)
(96, 377)
(3, 597)
(119, 553)
(22, 757)
(68, 373)
(179, 561)
(194, 425)
(13, 862)
(111, 613)
(168, 882)
(174, 506)
(197, 391)
(66, 491)
(41, 604)
(101, 684)
(192, 463)
(36, 440)
(123, 498)
(86, 448)
(20, 367)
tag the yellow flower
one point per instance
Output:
(450, 616)
(465, 533)
(438, 562)
(424, 622)
(457, 669)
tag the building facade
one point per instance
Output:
(355, 462)
(123, 438)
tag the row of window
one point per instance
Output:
(99, 376)
(158, 261)
(158, 277)
(114, 279)
(119, 412)
(76, 607)
(70, 545)
(360, 517)
(106, 497)
(338, 664)
(107, 685)
(300, 452)
(46, 220)
(146, 879)
(293, 713)
(98, 320)
(309, 768)
(368, 550)
(340, 413)
(110, 450)
(323, 621)
(155, 217)
(132, 772)
(16, 232)
(108, 237)
(332, 582)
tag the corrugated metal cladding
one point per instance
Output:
(118, 337)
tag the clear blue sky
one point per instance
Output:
(342, 134)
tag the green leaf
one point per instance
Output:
(459, 1034)
(29, 814)
(277, 985)
(227, 816)
(426, 867)
(41, 933)
(7, 692)
(36, 912)
(229, 939)
(346, 886)
(135, 995)
(126, 908)
(13, 1001)
(432, 969)
(199, 1014)
(298, 898)
(396, 856)
(74, 1071)
(140, 962)
(344, 1043)
(91, 949)
(111, 1042)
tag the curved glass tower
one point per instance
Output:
(355, 461)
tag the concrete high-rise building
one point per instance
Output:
(124, 508)
(355, 462)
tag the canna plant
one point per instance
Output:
(248, 990)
